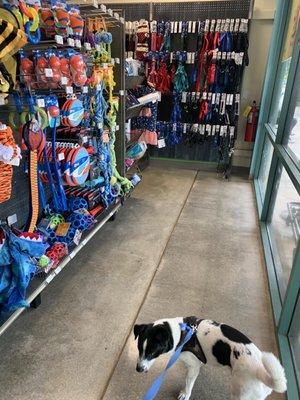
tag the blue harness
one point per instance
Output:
(154, 388)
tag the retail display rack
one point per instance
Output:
(14, 211)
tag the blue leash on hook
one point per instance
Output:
(154, 388)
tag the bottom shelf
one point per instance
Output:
(40, 282)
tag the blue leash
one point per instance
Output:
(154, 388)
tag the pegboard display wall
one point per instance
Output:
(132, 12)
(187, 10)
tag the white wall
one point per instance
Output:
(259, 40)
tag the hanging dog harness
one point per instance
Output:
(188, 342)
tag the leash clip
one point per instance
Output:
(194, 328)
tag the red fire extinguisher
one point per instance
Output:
(251, 126)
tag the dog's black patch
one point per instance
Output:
(214, 323)
(206, 333)
(234, 334)
(236, 354)
(159, 340)
(222, 351)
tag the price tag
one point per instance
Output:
(100, 125)
(85, 139)
(64, 80)
(87, 46)
(48, 73)
(184, 127)
(78, 43)
(40, 103)
(12, 219)
(183, 97)
(117, 16)
(110, 12)
(122, 20)
(69, 90)
(61, 156)
(98, 48)
(190, 27)
(175, 26)
(194, 26)
(180, 27)
(112, 61)
(117, 60)
(95, 3)
(161, 143)
(103, 8)
(77, 237)
(59, 39)
(71, 42)
(117, 128)
(69, 31)
(85, 89)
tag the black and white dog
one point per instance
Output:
(254, 373)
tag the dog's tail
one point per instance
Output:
(271, 373)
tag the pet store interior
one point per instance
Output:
(149, 169)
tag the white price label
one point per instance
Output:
(180, 27)
(117, 128)
(112, 61)
(161, 143)
(69, 89)
(117, 60)
(122, 20)
(98, 48)
(117, 16)
(85, 139)
(87, 46)
(40, 102)
(110, 12)
(103, 8)
(85, 89)
(61, 156)
(95, 3)
(12, 219)
(69, 31)
(71, 42)
(59, 39)
(64, 80)
(190, 27)
(77, 237)
(183, 97)
(48, 73)
(100, 125)
(78, 43)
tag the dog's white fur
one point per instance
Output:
(254, 373)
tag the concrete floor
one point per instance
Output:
(184, 244)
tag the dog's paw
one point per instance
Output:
(183, 395)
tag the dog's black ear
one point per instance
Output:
(138, 329)
(162, 335)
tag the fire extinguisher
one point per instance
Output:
(251, 125)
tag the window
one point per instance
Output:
(265, 165)
(284, 66)
(284, 224)
(294, 338)
(292, 132)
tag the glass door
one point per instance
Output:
(276, 173)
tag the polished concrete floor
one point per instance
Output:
(185, 243)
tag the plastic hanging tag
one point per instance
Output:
(183, 97)
(184, 127)
(103, 8)
(87, 46)
(48, 73)
(61, 156)
(12, 219)
(175, 26)
(161, 143)
(98, 47)
(190, 23)
(85, 89)
(110, 12)
(77, 237)
(194, 24)
(59, 39)
(117, 60)
(64, 80)
(78, 43)
(40, 102)
(122, 20)
(69, 90)
(71, 42)
(180, 27)
(117, 16)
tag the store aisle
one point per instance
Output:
(200, 239)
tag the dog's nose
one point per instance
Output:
(139, 368)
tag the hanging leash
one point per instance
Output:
(154, 388)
